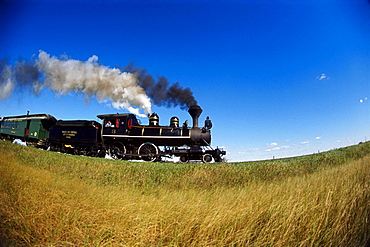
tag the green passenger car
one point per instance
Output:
(30, 128)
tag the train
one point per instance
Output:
(121, 136)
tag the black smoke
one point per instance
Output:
(26, 72)
(161, 91)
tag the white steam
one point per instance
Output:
(7, 83)
(91, 78)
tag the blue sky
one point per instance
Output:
(277, 78)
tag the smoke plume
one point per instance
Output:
(131, 88)
(91, 78)
(160, 90)
(6, 81)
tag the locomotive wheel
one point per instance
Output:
(76, 151)
(53, 148)
(218, 159)
(149, 150)
(83, 152)
(184, 158)
(117, 151)
(207, 158)
(100, 153)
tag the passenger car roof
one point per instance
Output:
(30, 116)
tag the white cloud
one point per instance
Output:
(277, 148)
(273, 144)
(281, 147)
(323, 76)
(305, 142)
(318, 138)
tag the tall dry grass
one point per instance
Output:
(45, 204)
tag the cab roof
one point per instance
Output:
(116, 116)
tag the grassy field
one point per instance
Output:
(52, 199)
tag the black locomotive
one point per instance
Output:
(123, 137)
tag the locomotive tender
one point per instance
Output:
(80, 137)
(123, 137)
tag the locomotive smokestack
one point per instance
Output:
(195, 112)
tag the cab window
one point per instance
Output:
(113, 123)
(109, 124)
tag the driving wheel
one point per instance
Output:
(117, 151)
(149, 151)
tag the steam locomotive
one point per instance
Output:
(119, 135)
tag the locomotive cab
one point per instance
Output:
(117, 124)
